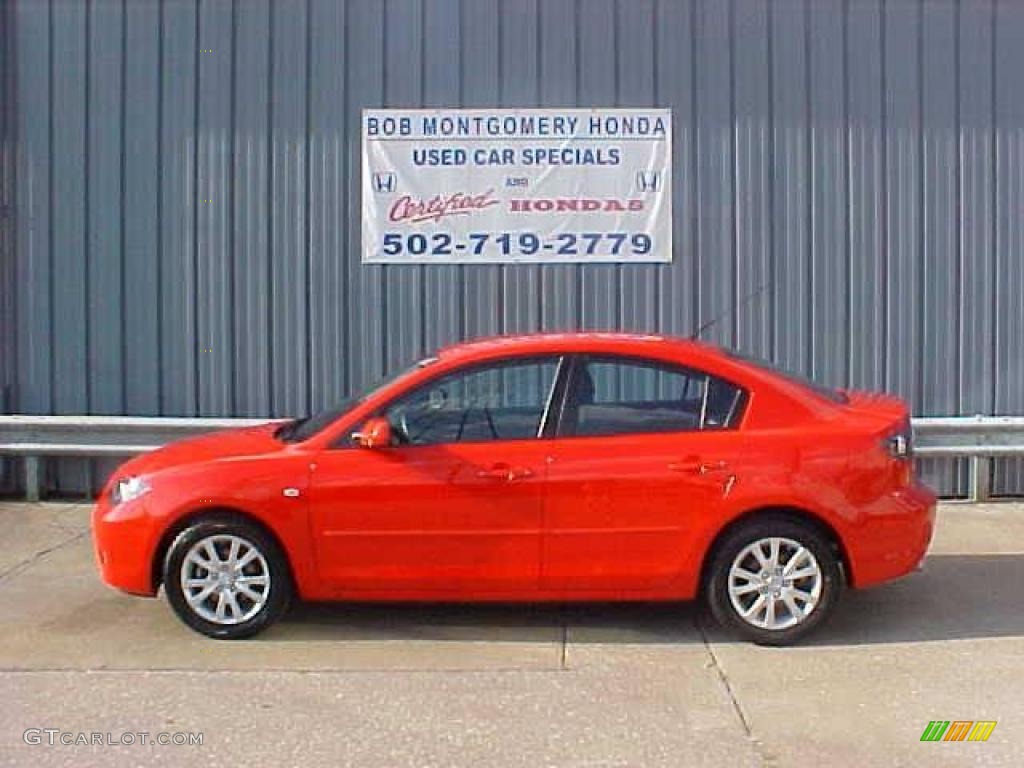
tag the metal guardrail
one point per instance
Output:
(977, 438)
(35, 437)
(980, 439)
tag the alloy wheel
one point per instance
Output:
(774, 583)
(225, 579)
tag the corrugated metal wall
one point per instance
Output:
(6, 225)
(187, 189)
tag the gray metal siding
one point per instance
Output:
(7, 333)
(183, 194)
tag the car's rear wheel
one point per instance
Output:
(773, 580)
(226, 578)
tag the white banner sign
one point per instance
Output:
(479, 186)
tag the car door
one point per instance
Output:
(455, 504)
(644, 449)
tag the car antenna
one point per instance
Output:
(741, 303)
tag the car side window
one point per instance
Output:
(503, 401)
(612, 396)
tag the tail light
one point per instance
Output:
(899, 445)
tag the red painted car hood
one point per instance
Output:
(226, 444)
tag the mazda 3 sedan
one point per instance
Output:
(560, 467)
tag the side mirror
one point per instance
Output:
(375, 433)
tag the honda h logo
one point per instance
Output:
(384, 182)
(648, 181)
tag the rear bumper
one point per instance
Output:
(122, 537)
(894, 537)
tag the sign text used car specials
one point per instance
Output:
(479, 186)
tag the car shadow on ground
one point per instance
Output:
(494, 623)
(955, 597)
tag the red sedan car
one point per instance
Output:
(566, 467)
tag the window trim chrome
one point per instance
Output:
(560, 372)
(704, 402)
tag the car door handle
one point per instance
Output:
(504, 472)
(698, 467)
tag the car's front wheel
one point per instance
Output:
(226, 578)
(773, 580)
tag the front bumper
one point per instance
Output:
(123, 537)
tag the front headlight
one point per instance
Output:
(129, 489)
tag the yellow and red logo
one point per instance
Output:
(958, 730)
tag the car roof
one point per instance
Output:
(588, 341)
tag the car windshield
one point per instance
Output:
(834, 395)
(300, 429)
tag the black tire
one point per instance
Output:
(218, 530)
(763, 528)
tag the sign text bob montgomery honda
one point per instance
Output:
(477, 186)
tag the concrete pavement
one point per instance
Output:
(639, 685)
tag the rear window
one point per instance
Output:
(621, 396)
(834, 395)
